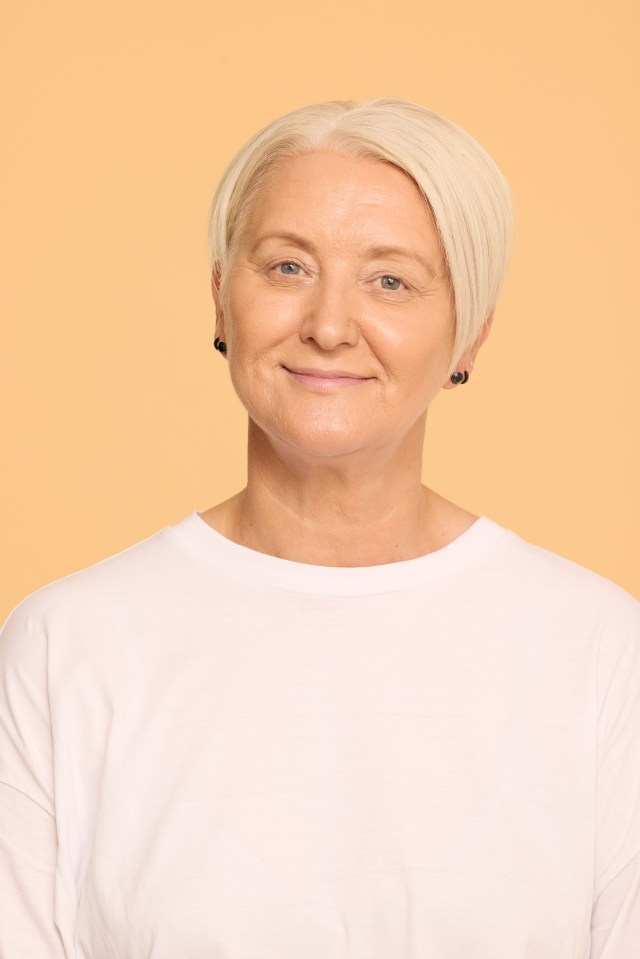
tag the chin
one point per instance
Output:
(325, 443)
(325, 436)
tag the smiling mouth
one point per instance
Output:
(321, 381)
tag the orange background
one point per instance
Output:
(118, 119)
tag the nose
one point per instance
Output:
(329, 317)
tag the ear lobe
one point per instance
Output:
(466, 361)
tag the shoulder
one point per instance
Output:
(100, 589)
(562, 586)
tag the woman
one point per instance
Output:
(335, 715)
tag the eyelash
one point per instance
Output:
(389, 276)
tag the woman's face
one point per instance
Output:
(332, 293)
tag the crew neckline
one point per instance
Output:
(254, 567)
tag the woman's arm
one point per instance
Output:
(615, 919)
(28, 839)
(27, 876)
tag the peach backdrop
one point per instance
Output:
(118, 119)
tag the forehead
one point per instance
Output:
(332, 187)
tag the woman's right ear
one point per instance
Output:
(215, 286)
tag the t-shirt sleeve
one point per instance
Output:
(28, 839)
(615, 917)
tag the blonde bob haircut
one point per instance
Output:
(466, 193)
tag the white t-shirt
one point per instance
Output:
(208, 752)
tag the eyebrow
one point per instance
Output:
(372, 252)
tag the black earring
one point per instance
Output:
(220, 345)
(460, 377)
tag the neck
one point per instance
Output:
(357, 509)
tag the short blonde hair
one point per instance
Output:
(465, 191)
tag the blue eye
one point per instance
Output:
(289, 263)
(394, 279)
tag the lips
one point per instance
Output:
(326, 374)
(325, 381)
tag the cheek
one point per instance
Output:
(261, 317)
(258, 324)
(433, 350)
(416, 353)
(259, 401)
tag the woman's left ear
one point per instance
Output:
(215, 289)
(466, 361)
